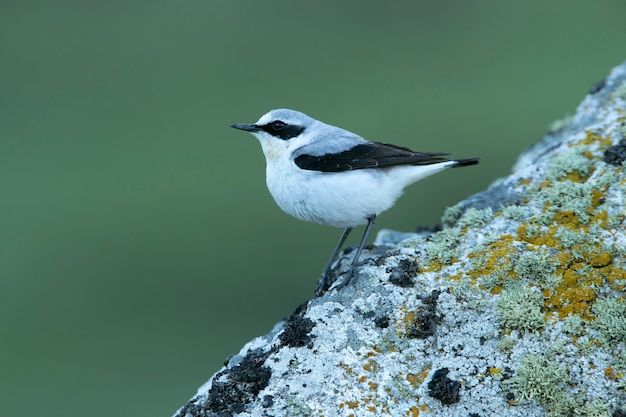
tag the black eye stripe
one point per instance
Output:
(282, 130)
(278, 124)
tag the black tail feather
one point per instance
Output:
(466, 162)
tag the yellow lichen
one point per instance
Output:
(576, 176)
(495, 371)
(592, 138)
(417, 379)
(413, 412)
(495, 257)
(352, 404)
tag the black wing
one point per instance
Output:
(367, 155)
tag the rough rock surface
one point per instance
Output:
(515, 308)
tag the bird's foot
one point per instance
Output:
(351, 273)
(331, 279)
(324, 283)
(328, 278)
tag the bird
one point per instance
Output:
(327, 175)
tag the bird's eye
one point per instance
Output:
(278, 124)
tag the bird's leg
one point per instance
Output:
(324, 282)
(357, 255)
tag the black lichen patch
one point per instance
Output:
(403, 274)
(381, 322)
(192, 408)
(443, 388)
(297, 331)
(233, 388)
(268, 401)
(425, 320)
(616, 154)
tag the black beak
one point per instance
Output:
(246, 127)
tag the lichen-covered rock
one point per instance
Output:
(515, 308)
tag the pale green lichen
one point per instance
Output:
(463, 289)
(535, 266)
(488, 240)
(520, 309)
(490, 281)
(595, 408)
(588, 253)
(567, 197)
(443, 245)
(514, 212)
(552, 281)
(533, 230)
(543, 381)
(573, 325)
(475, 217)
(594, 233)
(571, 237)
(584, 271)
(506, 345)
(610, 321)
(570, 163)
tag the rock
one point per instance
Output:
(515, 308)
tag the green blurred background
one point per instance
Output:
(139, 246)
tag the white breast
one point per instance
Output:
(342, 199)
